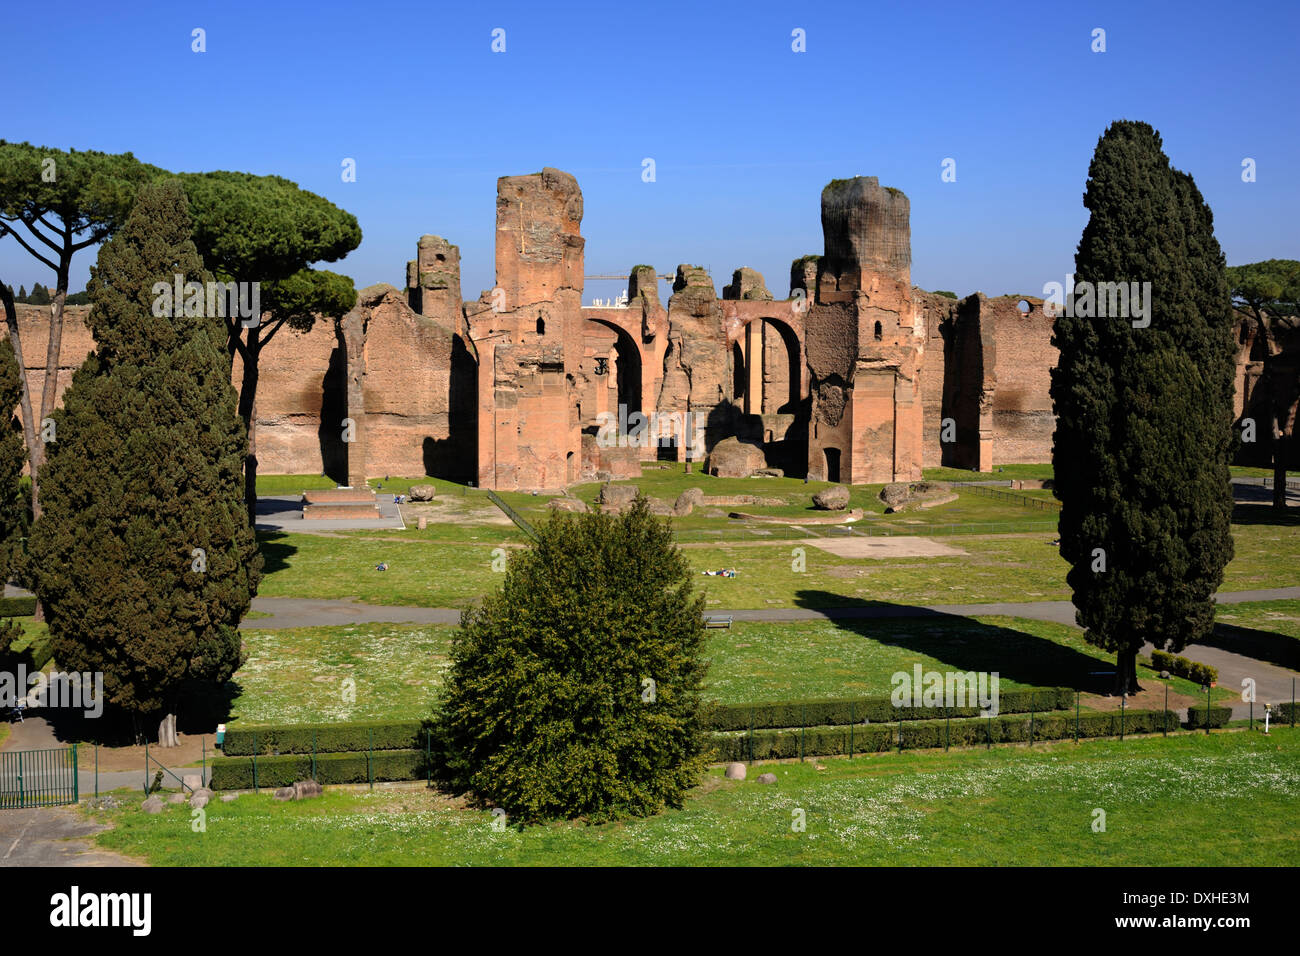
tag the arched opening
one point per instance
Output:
(627, 367)
(541, 325)
(1024, 307)
(738, 373)
(879, 332)
(784, 372)
(832, 463)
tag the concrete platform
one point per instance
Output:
(285, 513)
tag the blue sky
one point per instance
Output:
(744, 131)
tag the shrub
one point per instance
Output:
(924, 734)
(1218, 717)
(237, 773)
(575, 690)
(1182, 667)
(324, 738)
(1285, 713)
(875, 710)
(17, 606)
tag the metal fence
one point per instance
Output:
(38, 778)
(513, 515)
(1025, 501)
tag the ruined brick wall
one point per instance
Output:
(301, 402)
(937, 314)
(865, 340)
(1023, 421)
(528, 337)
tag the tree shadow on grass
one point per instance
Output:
(1267, 646)
(203, 705)
(276, 551)
(1265, 515)
(965, 644)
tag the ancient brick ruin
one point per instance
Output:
(857, 376)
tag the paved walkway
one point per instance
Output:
(52, 836)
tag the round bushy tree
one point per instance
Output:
(575, 690)
(143, 555)
(1144, 408)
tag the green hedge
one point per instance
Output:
(876, 710)
(817, 741)
(324, 738)
(1182, 667)
(829, 741)
(1282, 713)
(236, 773)
(17, 606)
(1219, 717)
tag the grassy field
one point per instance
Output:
(1007, 551)
(1188, 800)
(298, 675)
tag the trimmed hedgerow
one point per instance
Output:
(324, 738)
(236, 773)
(817, 742)
(17, 606)
(876, 710)
(1218, 717)
(921, 734)
(1182, 667)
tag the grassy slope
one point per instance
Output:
(1183, 801)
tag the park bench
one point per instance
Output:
(718, 620)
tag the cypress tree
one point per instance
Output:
(1144, 414)
(13, 507)
(143, 555)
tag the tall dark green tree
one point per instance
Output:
(575, 690)
(13, 508)
(144, 557)
(1144, 414)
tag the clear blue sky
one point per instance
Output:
(744, 132)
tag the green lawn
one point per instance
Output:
(1024, 567)
(1035, 472)
(1188, 800)
(292, 484)
(298, 675)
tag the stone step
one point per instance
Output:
(341, 510)
(324, 496)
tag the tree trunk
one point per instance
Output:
(167, 732)
(1279, 461)
(50, 392)
(1126, 673)
(247, 405)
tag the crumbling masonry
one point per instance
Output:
(857, 376)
